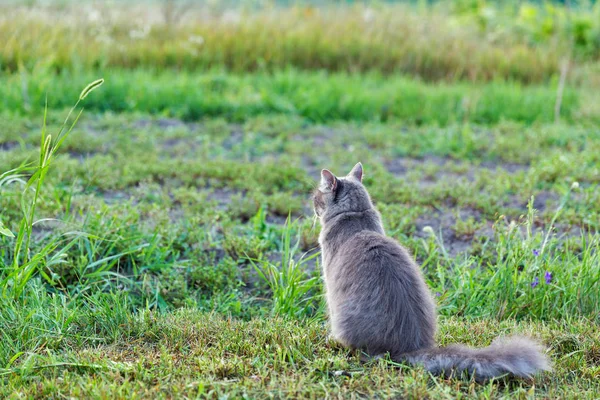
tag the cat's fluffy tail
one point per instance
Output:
(516, 355)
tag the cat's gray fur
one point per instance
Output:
(377, 297)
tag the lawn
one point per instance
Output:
(172, 252)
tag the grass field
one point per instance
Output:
(170, 249)
(518, 41)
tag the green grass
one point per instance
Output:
(176, 208)
(96, 348)
(170, 249)
(168, 213)
(317, 97)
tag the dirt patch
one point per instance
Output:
(8, 146)
(164, 123)
(444, 225)
(175, 142)
(236, 136)
(543, 201)
(213, 255)
(176, 214)
(313, 166)
(178, 147)
(321, 136)
(222, 197)
(115, 196)
(275, 219)
(169, 123)
(81, 156)
(509, 167)
(142, 123)
(432, 170)
(402, 165)
(92, 130)
(459, 229)
(45, 228)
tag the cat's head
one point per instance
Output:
(338, 195)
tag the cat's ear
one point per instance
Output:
(328, 181)
(357, 172)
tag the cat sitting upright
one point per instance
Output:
(378, 300)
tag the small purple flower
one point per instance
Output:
(438, 294)
(548, 277)
(536, 252)
(536, 281)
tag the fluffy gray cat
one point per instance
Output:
(377, 297)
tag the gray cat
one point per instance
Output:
(377, 297)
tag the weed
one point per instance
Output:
(466, 228)
(24, 264)
(531, 276)
(292, 291)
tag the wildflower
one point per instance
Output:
(575, 186)
(438, 294)
(548, 277)
(536, 281)
(536, 252)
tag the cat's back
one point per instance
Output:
(373, 251)
(374, 257)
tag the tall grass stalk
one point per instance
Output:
(24, 263)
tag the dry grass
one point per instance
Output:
(429, 43)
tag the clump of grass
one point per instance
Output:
(534, 274)
(466, 228)
(293, 292)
